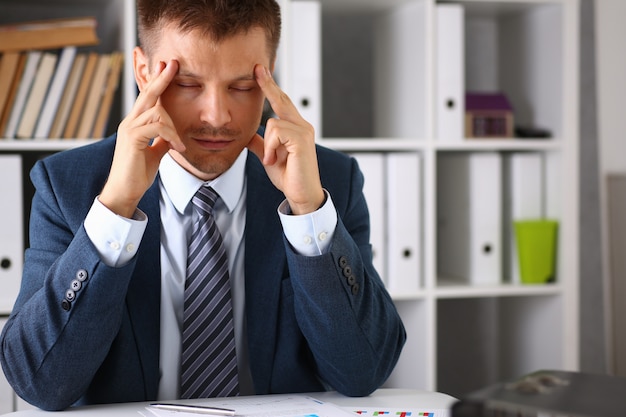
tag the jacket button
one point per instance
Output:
(66, 305)
(351, 280)
(343, 261)
(76, 285)
(70, 295)
(81, 275)
(347, 271)
(355, 289)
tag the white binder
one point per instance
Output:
(469, 218)
(400, 69)
(11, 224)
(6, 392)
(305, 62)
(523, 174)
(403, 222)
(450, 70)
(372, 166)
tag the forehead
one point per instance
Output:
(198, 48)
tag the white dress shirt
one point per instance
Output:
(117, 239)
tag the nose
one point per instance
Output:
(214, 108)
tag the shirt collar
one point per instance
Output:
(181, 185)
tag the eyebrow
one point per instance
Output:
(243, 77)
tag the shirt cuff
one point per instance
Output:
(116, 238)
(309, 234)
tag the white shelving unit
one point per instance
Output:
(461, 337)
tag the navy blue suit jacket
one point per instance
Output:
(313, 322)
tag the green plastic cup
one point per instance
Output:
(536, 247)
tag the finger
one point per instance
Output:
(154, 123)
(149, 96)
(278, 99)
(278, 137)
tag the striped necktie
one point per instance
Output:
(209, 361)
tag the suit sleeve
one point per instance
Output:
(341, 305)
(69, 308)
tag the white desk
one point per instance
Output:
(383, 398)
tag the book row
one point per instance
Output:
(57, 94)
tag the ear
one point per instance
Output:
(142, 68)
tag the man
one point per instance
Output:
(99, 317)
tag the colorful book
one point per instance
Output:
(32, 63)
(37, 94)
(53, 98)
(117, 59)
(69, 94)
(12, 93)
(94, 98)
(81, 95)
(8, 67)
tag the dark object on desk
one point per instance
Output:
(553, 393)
(532, 132)
(488, 115)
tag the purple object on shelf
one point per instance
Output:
(487, 101)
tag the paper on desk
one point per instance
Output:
(399, 412)
(279, 405)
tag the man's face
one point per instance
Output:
(214, 101)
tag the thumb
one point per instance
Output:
(160, 147)
(257, 146)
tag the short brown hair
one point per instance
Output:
(218, 19)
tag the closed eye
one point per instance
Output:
(244, 87)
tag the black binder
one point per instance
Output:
(548, 393)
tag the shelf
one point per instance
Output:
(341, 144)
(373, 144)
(451, 289)
(496, 8)
(408, 296)
(501, 145)
(19, 145)
(360, 6)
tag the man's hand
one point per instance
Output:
(143, 138)
(288, 150)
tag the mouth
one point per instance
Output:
(212, 143)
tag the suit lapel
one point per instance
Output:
(264, 268)
(144, 292)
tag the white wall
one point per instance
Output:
(611, 73)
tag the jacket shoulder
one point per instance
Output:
(77, 165)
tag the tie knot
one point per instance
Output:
(205, 199)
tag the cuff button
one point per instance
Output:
(81, 275)
(351, 280)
